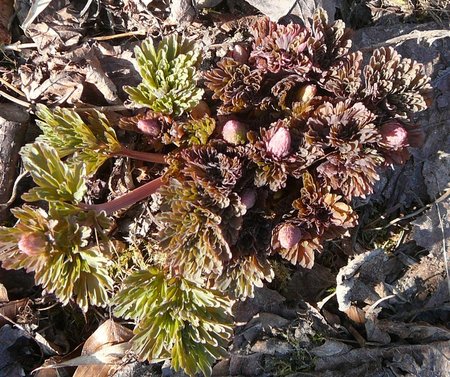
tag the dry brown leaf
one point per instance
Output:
(357, 280)
(303, 9)
(432, 229)
(96, 76)
(101, 355)
(50, 39)
(100, 348)
(10, 310)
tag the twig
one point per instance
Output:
(322, 303)
(120, 35)
(12, 87)
(20, 46)
(415, 213)
(354, 341)
(415, 34)
(444, 244)
(102, 109)
(14, 191)
(15, 100)
(378, 302)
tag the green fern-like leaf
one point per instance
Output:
(61, 252)
(168, 76)
(199, 131)
(177, 319)
(91, 142)
(191, 231)
(56, 180)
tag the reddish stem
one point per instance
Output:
(128, 199)
(143, 156)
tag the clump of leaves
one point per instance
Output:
(168, 76)
(177, 319)
(90, 142)
(66, 247)
(295, 130)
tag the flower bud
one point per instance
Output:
(240, 53)
(248, 198)
(234, 132)
(31, 244)
(289, 235)
(280, 143)
(394, 135)
(149, 127)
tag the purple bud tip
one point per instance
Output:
(234, 132)
(248, 198)
(31, 244)
(149, 127)
(289, 235)
(280, 143)
(394, 135)
(240, 54)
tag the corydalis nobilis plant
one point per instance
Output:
(296, 128)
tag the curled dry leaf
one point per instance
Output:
(101, 353)
(357, 281)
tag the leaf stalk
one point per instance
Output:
(126, 200)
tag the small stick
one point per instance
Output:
(120, 35)
(14, 191)
(12, 87)
(415, 34)
(444, 244)
(20, 46)
(102, 109)
(15, 100)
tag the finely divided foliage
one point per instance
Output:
(66, 247)
(91, 142)
(168, 76)
(296, 129)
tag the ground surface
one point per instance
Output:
(376, 304)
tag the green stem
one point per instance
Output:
(128, 199)
(143, 156)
